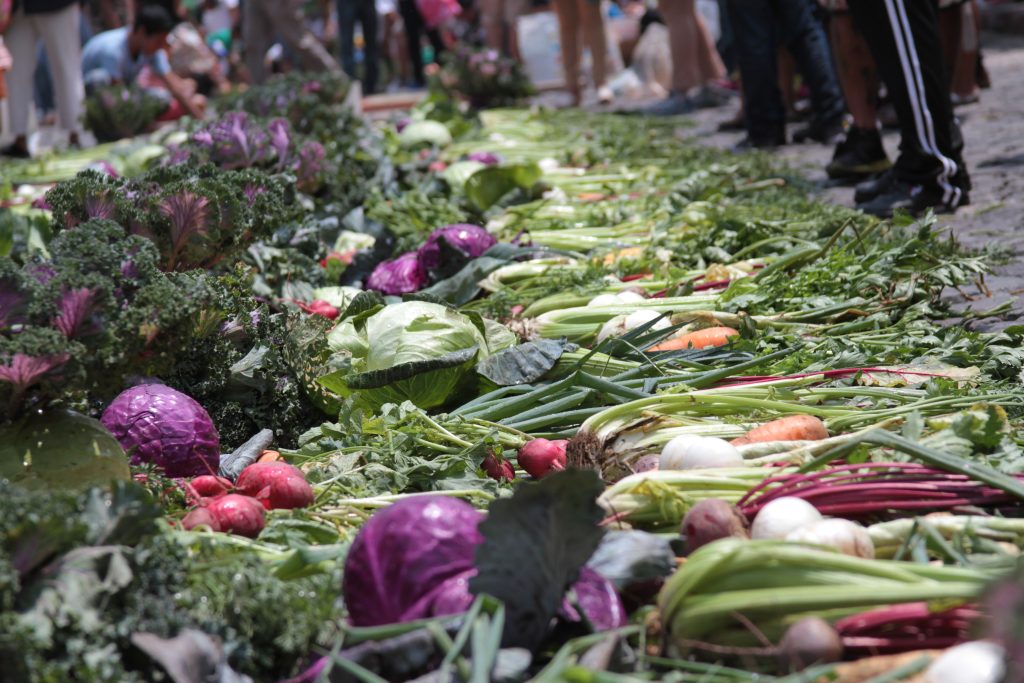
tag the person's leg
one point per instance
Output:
(289, 21)
(596, 38)
(709, 62)
(42, 83)
(347, 12)
(965, 67)
(258, 36)
(371, 53)
(413, 37)
(680, 19)
(805, 39)
(753, 22)
(858, 75)
(21, 39)
(861, 153)
(60, 33)
(568, 37)
(904, 39)
(491, 23)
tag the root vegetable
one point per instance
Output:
(604, 300)
(845, 536)
(541, 457)
(779, 518)
(627, 296)
(711, 519)
(237, 514)
(209, 486)
(200, 516)
(701, 339)
(278, 485)
(673, 452)
(789, 428)
(977, 661)
(807, 642)
(699, 453)
(498, 468)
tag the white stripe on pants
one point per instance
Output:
(59, 32)
(923, 122)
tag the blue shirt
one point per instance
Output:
(108, 51)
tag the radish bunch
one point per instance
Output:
(239, 508)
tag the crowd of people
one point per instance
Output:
(846, 68)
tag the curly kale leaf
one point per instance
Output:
(195, 215)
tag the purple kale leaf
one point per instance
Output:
(75, 313)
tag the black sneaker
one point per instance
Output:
(858, 156)
(914, 199)
(869, 189)
(826, 132)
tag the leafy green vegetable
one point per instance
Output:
(415, 350)
(535, 544)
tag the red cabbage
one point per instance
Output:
(398, 276)
(156, 424)
(598, 599)
(414, 560)
(403, 556)
(470, 240)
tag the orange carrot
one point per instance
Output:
(701, 339)
(269, 456)
(628, 252)
(789, 428)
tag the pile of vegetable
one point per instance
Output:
(503, 395)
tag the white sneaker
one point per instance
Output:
(605, 95)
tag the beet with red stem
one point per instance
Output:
(541, 457)
(808, 642)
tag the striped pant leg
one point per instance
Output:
(904, 38)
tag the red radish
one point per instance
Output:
(498, 468)
(321, 307)
(200, 516)
(286, 493)
(209, 486)
(541, 457)
(236, 514)
(278, 485)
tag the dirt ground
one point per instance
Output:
(994, 135)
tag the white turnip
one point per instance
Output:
(781, 516)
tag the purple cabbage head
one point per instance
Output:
(157, 424)
(598, 599)
(470, 240)
(398, 276)
(486, 158)
(414, 560)
(403, 558)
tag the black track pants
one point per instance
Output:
(904, 38)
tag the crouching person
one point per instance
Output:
(138, 55)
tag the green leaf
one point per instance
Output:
(375, 379)
(522, 364)
(486, 187)
(464, 286)
(60, 449)
(534, 546)
(362, 303)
